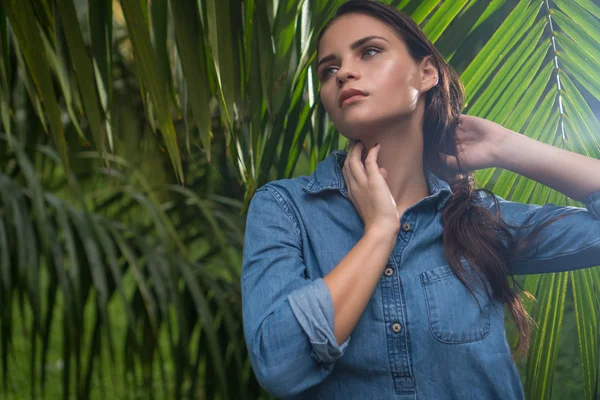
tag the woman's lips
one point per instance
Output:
(352, 99)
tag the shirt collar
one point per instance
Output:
(328, 176)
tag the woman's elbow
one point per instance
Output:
(288, 373)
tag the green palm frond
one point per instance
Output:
(538, 87)
(83, 258)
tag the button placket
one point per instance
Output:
(394, 311)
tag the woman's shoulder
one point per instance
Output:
(326, 174)
(286, 186)
(286, 194)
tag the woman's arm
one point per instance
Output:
(293, 324)
(353, 281)
(485, 144)
(288, 319)
(572, 242)
(570, 173)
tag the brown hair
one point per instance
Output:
(470, 229)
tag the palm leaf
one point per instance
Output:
(30, 41)
(151, 77)
(91, 257)
(526, 90)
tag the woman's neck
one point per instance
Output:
(401, 155)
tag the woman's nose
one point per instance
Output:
(345, 74)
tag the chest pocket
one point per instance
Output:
(454, 314)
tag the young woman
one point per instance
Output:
(374, 278)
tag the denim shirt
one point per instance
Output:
(422, 335)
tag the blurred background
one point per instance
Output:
(133, 134)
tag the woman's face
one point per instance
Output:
(359, 52)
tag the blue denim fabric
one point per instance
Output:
(447, 347)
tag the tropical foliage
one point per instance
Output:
(134, 134)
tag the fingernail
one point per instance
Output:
(376, 144)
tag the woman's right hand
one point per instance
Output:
(368, 190)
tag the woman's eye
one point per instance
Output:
(327, 72)
(370, 52)
(367, 52)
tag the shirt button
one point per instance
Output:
(396, 327)
(389, 271)
(406, 227)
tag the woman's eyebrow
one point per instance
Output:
(353, 46)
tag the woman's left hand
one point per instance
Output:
(478, 142)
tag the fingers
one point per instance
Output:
(368, 189)
(355, 164)
(371, 161)
(355, 172)
(346, 171)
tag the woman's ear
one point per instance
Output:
(429, 73)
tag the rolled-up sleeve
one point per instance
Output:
(569, 243)
(592, 203)
(288, 318)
